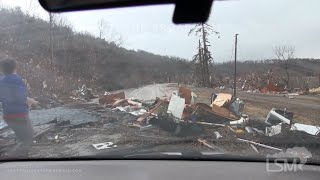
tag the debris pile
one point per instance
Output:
(181, 115)
(220, 124)
(315, 90)
(82, 93)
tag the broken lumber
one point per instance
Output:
(186, 94)
(111, 98)
(205, 143)
(261, 145)
(254, 148)
(222, 99)
(140, 119)
(40, 130)
(210, 124)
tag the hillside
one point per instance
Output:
(79, 57)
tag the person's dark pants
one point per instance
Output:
(23, 130)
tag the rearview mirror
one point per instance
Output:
(72, 5)
(186, 11)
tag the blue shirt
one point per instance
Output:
(13, 95)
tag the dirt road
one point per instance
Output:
(151, 92)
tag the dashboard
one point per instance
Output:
(154, 169)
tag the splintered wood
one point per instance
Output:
(205, 143)
(186, 94)
(143, 117)
(111, 98)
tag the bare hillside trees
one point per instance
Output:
(285, 54)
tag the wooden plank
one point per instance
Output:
(205, 143)
(261, 145)
(186, 94)
(40, 130)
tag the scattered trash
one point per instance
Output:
(254, 148)
(273, 130)
(218, 135)
(44, 84)
(189, 96)
(146, 127)
(258, 131)
(82, 92)
(211, 124)
(194, 98)
(186, 94)
(237, 107)
(136, 105)
(249, 130)
(293, 94)
(181, 115)
(241, 122)
(239, 132)
(123, 109)
(157, 106)
(313, 130)
(139, 112)
(315, 90)
(220, 110)
(222, 99)
(134, 125)
(111, 98)
(279, 119)
(105, 145)
(277, 116)
(272, 88)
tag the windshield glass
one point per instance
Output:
(127, 81)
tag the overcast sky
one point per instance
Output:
(261, 25)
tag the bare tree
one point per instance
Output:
(106, 33)
(117, 40)
(285, 55)
(32, 5)
(102, 28)
(204, 55)
(197, 60)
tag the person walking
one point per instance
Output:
(16, 104)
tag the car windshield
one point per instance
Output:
(127, 81)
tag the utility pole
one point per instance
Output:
(51, 39)
(235, 67)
